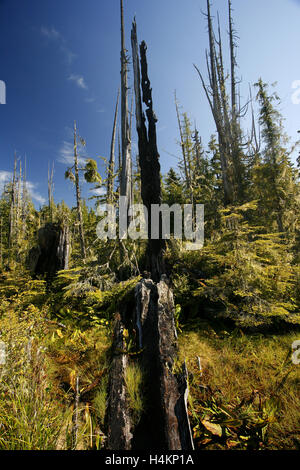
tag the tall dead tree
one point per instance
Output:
(125, 186)
(73, 174)
(50, 191)
(226, 115)
(111, 166)
(19, 204)
(119, 163)
(148, 152)
(12, 213)
(213, 96)
(232, 61)
(24, 198)
(131, 159)
(78, 196)
(235, 112)
(150, 326)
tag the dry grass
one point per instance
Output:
(258, 368)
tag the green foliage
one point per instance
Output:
(37, 380)
(245, 275)
(100, 402)
(91, 174)
(275, 180)
(69, 175)
(86, 296)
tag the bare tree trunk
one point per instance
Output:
(25, 199)
(131, 159)
(50, 191)
(78, 197)
(232, 62)
(12, 214)
(148, 153)
(218, 116)
(119, 164)
(235, 113)
(19, 204)
(217, 99)
(125, 188)
(111, 166)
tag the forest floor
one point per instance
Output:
(244, 395)
(247, 387)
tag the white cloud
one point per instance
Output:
(31, 187)
(53, 35)
(66, 154)
(99, 191)
(101, 110)
(79, 80)
(89, 100)
(6, 176)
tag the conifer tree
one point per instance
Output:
(275, 178)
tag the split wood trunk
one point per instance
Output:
(117, 414)
(164, 423)
(52, 251)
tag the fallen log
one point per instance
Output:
(117, 416)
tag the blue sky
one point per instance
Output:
(60, 62)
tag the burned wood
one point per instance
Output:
(52, 251)
(118, 416)
(148, 152)
(165, 423)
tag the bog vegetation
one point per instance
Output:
(237, 300)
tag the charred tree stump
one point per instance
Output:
(165, 423)
(52, 252)
(117, 415)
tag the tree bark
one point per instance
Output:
(12, 214)
(125, 187)
(111, 166)
(165, 422)
(148, 153)
(50, 191)
(78, 197)
(117, 414)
